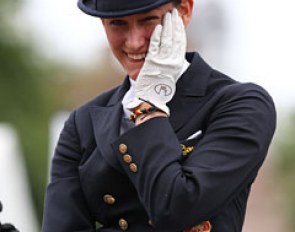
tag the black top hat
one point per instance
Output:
(118, 8)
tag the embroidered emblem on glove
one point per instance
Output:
(162, 89)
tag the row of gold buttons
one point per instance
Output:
(127, 158)
(110, 200)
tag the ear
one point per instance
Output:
(185, 10)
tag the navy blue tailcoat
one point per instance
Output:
(142, 180)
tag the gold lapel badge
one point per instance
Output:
(186, 150)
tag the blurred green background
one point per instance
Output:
(34, 87)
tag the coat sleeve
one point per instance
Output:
(65, 209)
(179, 193)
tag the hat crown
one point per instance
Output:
(116, 8)
(119, 5)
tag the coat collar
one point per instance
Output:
(106, 123)
(190, 89)
(194, 81)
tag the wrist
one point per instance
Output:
(144, 112)
(143, 118)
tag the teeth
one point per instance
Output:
(136, 57)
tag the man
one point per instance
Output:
(187, 160)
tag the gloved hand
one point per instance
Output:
(156, 82)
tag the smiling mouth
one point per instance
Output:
(136, 56)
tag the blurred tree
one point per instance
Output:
(27, 84)
(286, 148)
(25, 98)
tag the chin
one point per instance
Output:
(134, 75)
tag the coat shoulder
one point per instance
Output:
(230, 88)
(81, 117)
(229, 95)
(247, 90)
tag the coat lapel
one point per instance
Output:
(190, 90)
(106, 123)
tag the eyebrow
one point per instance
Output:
(148, 17)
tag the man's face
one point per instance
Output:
(129, 37)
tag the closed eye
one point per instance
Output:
(149, 18)
(118, 22)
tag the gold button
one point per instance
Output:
(150, 223)
(133, 167)
(127, 158)
(109, 199)
(123, 148)
(123, 224)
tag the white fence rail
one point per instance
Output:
(14, 192)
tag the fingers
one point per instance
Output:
(178, 27)
(169, 36)
(179, 34)
(166, 37)
(167, 30)
(155, 40)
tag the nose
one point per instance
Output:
(135, 38)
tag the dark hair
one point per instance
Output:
(176, 2)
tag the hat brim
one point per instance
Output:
(89, 9)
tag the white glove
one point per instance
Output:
(156, 82)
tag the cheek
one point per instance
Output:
(115, 39)
(149, 31)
